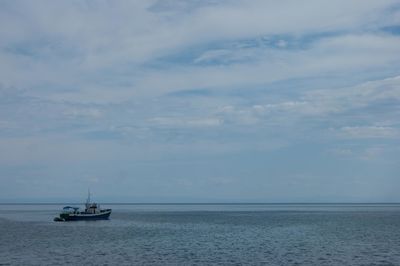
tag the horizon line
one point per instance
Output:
(204, 203)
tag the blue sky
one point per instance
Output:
(200, 101)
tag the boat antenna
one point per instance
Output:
(88, 198)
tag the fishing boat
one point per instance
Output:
(92, 212)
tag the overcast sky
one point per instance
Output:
(200, 101)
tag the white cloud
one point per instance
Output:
(100, 86)
(83, 112)
(377, 153)
(272, 65)
(281, 43)
(343, 152)
(186, 122)
(367, 111)
(75, 52)
(369, 132)
(338, 100)
(372, 153)
(226, 56)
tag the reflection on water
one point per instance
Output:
(277, 234)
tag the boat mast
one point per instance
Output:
(88, 200)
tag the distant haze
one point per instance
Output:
(200, 101)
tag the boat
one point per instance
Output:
(92, 212)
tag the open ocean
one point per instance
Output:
(262, 234)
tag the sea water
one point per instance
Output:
(263, 234)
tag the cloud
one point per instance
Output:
(95, 49)
(225, 56)
(177, 122)
(369, 132)
(246, 86)
(343, 152)
(268, 65)
(374, 102)
(281, 43)
(372, 153)
(83, 112)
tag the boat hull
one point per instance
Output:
(104, 215)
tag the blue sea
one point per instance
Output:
(211, 234)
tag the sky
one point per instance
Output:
(200, 101)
